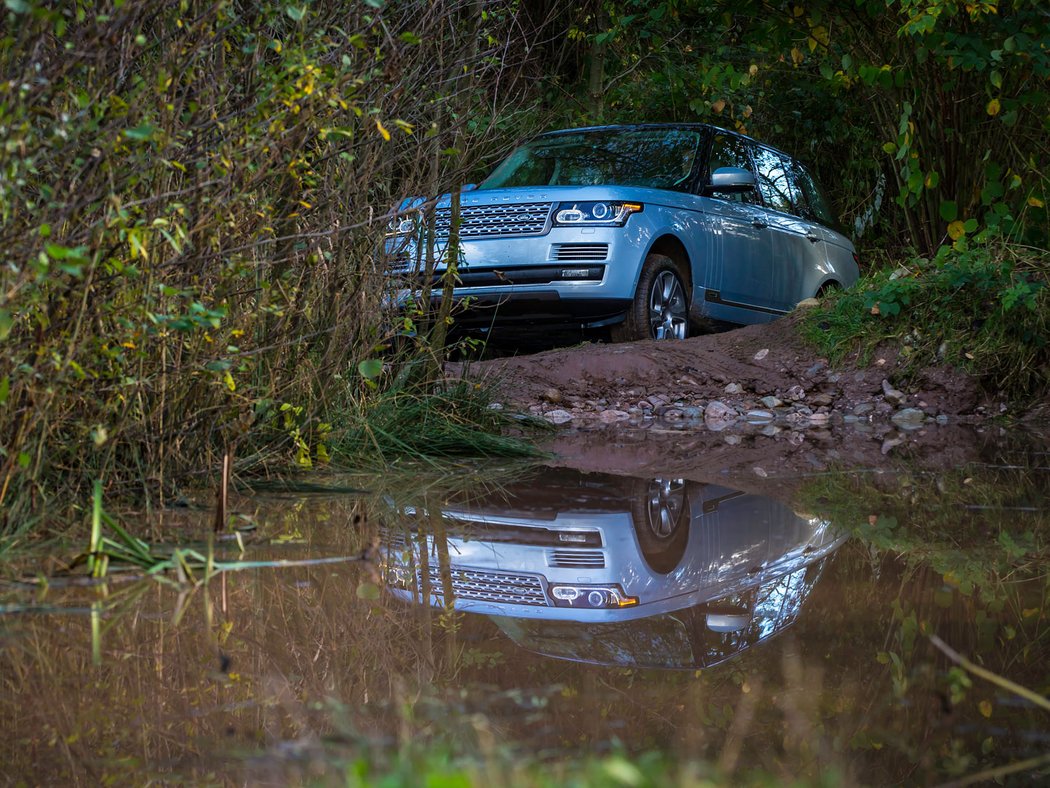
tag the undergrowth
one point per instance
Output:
(457, 420)
(984, 309)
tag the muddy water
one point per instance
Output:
(771, 619)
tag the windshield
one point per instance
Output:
(654, 158)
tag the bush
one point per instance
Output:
(984, 308)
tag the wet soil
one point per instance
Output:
(736, 367)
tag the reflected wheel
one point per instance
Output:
(660, 509)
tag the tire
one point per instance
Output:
(660, 510)
(660, 307)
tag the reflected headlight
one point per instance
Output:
(593, 597)
(400, 577)
(401, 225)
(595, 214)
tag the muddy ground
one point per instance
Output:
(755, 404)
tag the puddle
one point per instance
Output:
(774, 625)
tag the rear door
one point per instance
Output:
(798, 254)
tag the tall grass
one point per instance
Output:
(193, 198)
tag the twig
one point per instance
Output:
(987, 675)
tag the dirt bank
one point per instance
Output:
(761, 374)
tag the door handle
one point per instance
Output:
(759, 224)
(813, 238)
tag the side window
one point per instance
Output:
(773, 181)
(729, 151)
(816, 207)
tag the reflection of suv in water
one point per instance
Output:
(639, 228)
(588, 566)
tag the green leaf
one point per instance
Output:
(370, 368)
(368, 591)
(17, 6)
(410, 38)
(949, 210)
(141, 133)
(295, 13)
(5, 389)
(6, 322)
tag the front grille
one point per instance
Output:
(527, 218)
(579, 251)
(576, 559)
(482, 586)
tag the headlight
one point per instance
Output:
(401, 225)
(593, 597)
(595, 214)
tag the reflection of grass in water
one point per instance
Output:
(977, 526)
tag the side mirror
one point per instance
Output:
(731, 180)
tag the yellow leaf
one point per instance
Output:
(1035, 202)
(228, 379)
(985, 707)
(382, 130)
(956, 230)
(753, 70)
(719, 105)
(993, 107)
(875, 310)
(796, 55)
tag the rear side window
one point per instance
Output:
(774, 181)
(729, 151)
(814, 206)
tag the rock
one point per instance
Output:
(821, 400)
(771, 430)
(942, 419)
(495, 406)
(610, 416)
(761, 354)
(908, 418)
(796, 393)
(818, 367)
(819, 419)
(863, 408)
(657, 400)
(732, 440)
(771, 402)
(807, 303)
(796, 438)
(892, 395)
(552, 395)
(759, 417)
(734, 388)
(718, 415)
(558, 416)
(891, 443)
(760, 472)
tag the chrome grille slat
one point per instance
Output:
(528, 218)
(580, 559)
(579, 251)
(482, 586)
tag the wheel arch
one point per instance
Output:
(671, 246)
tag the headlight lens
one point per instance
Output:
(595, 214)
(401, 225)
(592, 597)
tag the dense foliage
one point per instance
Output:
(192, 194)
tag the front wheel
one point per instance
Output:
(660, 308)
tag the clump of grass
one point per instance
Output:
(423, 422)
(984, 309)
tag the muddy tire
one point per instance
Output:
(660, 510)
(660, 309)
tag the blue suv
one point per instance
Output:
(642, 229)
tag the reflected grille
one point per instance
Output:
(527, 218)
(579, 251)
(579, 559)
(503, 587)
